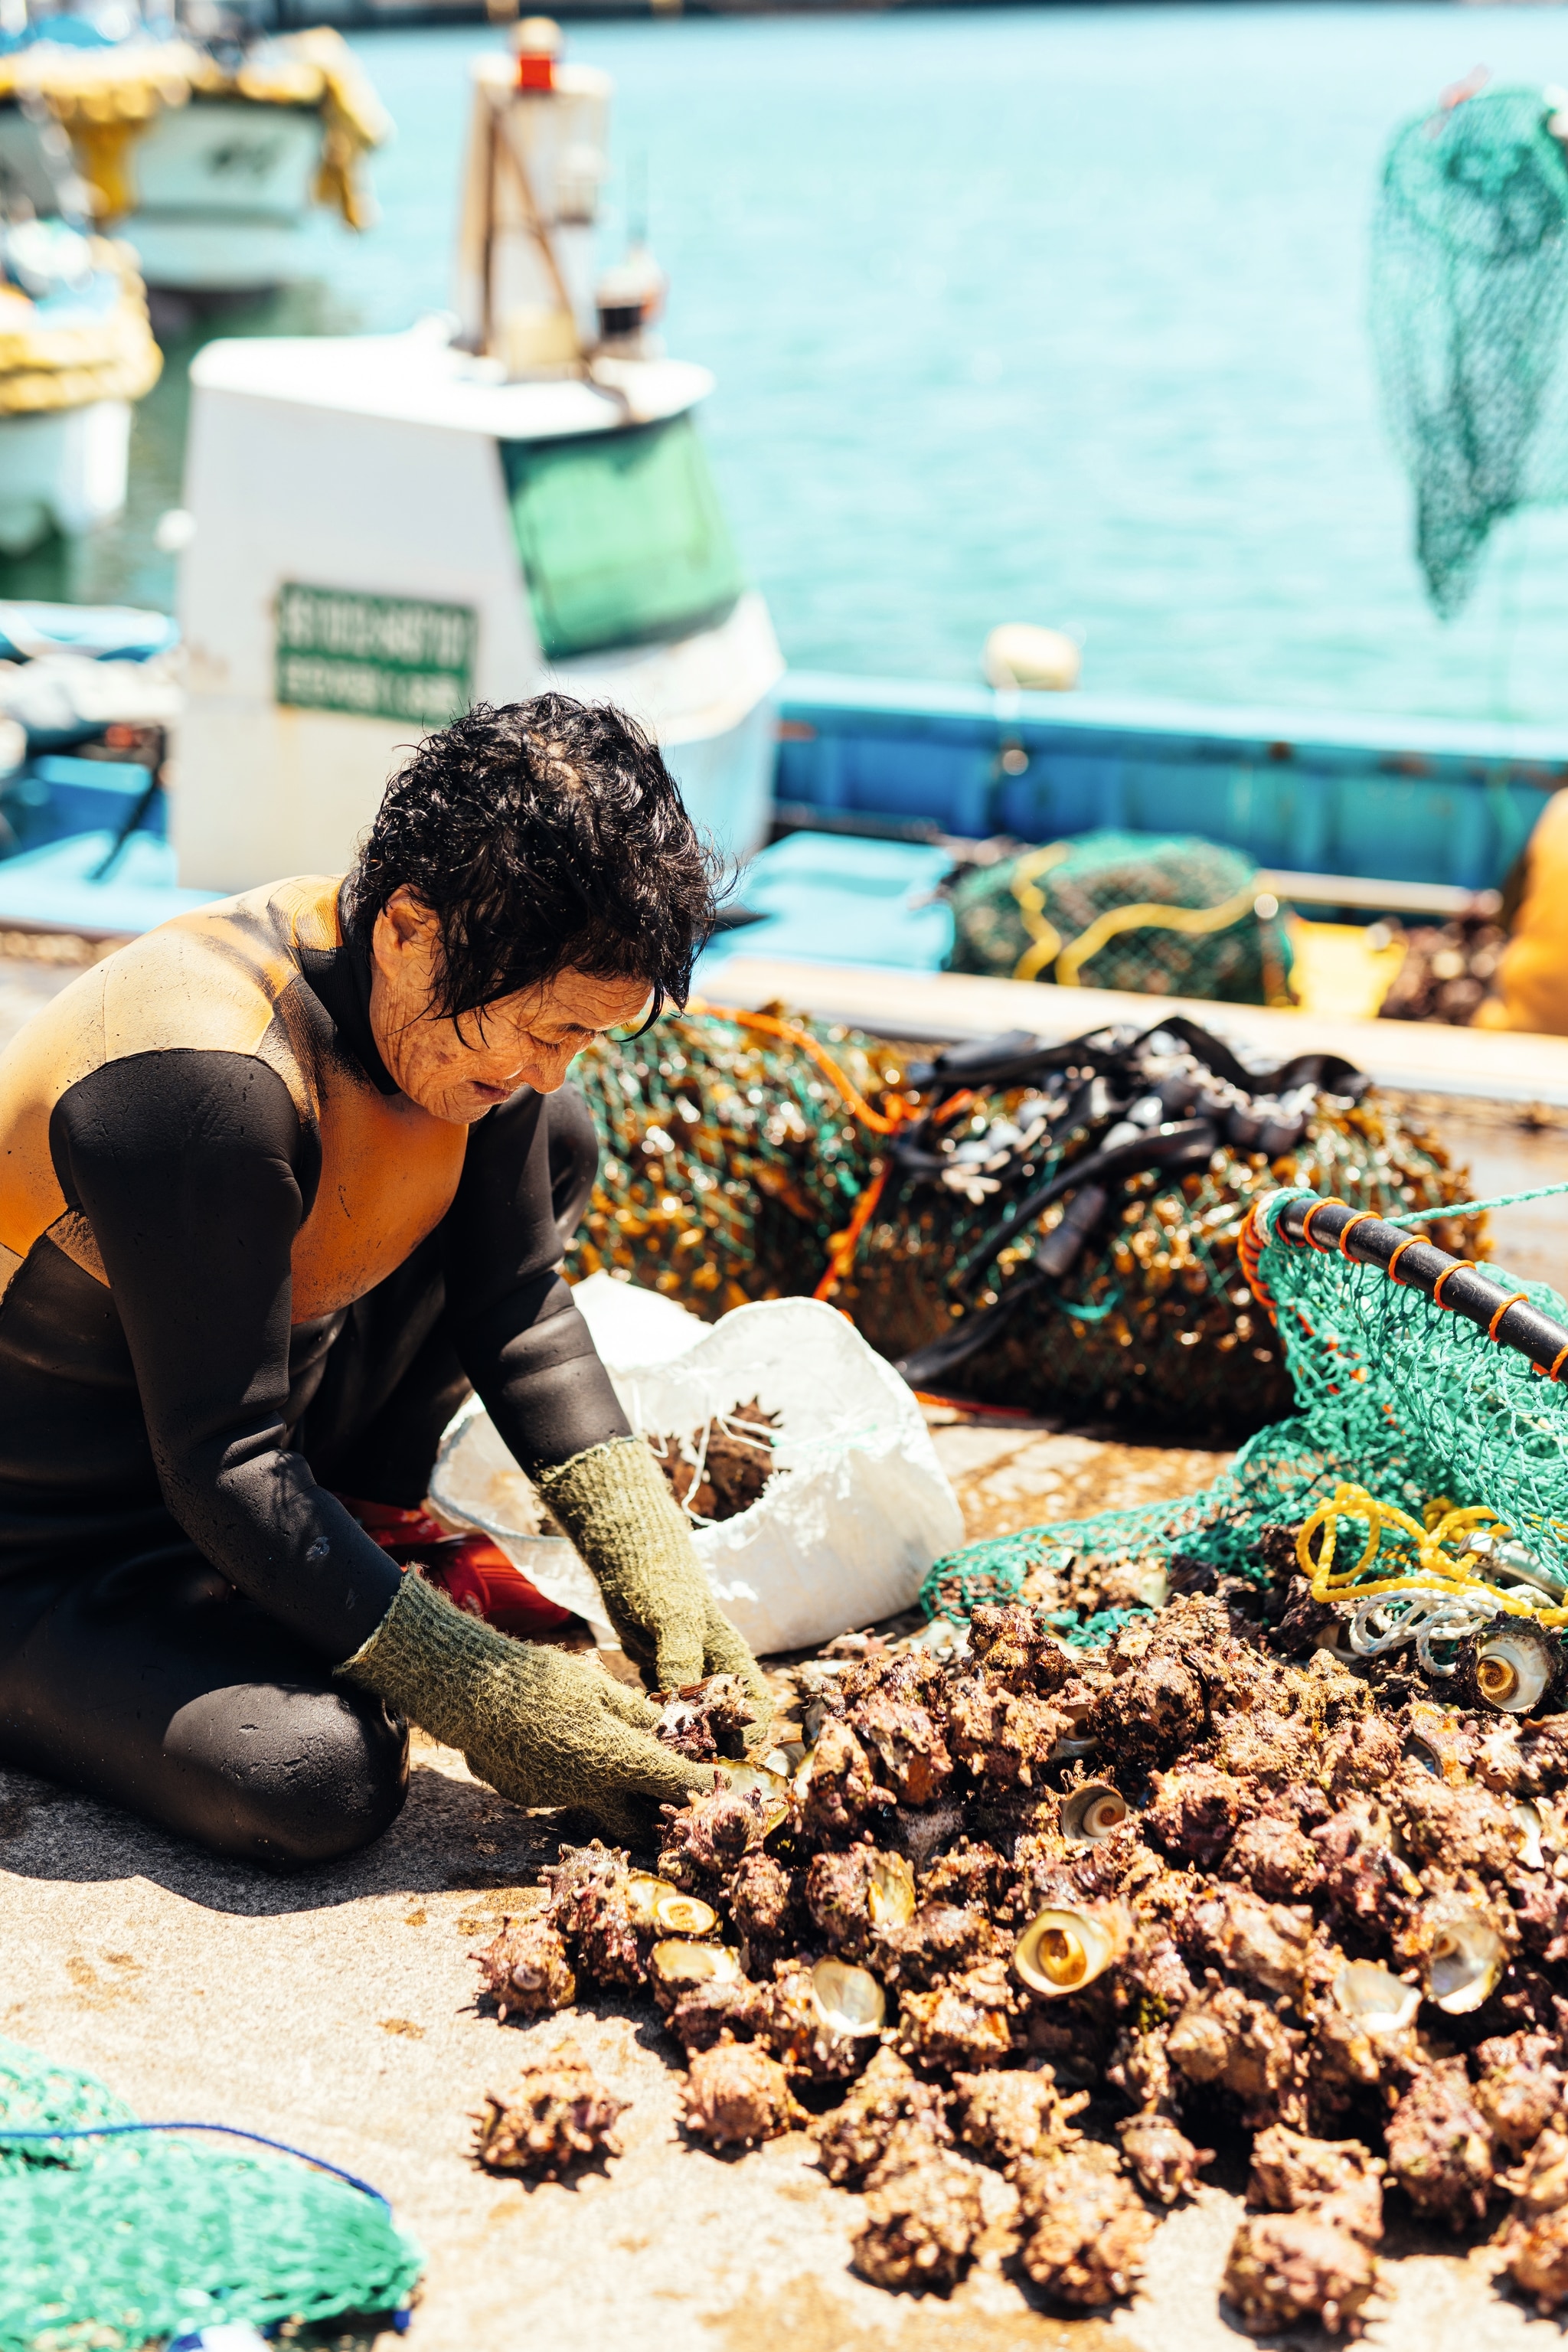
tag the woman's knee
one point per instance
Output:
(288, 1776)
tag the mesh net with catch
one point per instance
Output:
(1161, 916)
(1039, 1228)
(112, 2242)
(1470, 294)
(1422, 1476)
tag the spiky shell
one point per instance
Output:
(526, 1968)
(559, 2115)
(1084, 2233)
(921, 2227)
(1288, 2267)
(735, 2095)
(1163, 2159)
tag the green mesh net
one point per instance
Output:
(1163, 917)
(1470, 287)
(109, 2243)
(1391, 1394)
(735, 1166)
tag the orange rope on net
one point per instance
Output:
(1399, 1252)
(1332, 1201)
(1448, 1272)
(841, 1249)
(1512, 1300)
(880, 1122)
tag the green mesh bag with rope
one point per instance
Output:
(1470, 300)
(1421, 1481)
(745, 1156)
(115, 2234)
(1160, 916)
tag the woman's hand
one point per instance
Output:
(540, 1726)
(616, 1506)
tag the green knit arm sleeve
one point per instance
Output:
(540, 1726)
(616, 1506)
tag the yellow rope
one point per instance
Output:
(1045, 941)
(1446, 1525)
(1194, 920)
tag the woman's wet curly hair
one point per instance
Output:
(546, 836)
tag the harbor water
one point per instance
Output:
(1043, 314)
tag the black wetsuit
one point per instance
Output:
(244, 1271)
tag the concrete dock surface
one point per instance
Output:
(336, 2009)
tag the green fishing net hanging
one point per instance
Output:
(1160, 916)
(1393, 1396)
(109, 2243)
(1470, 292)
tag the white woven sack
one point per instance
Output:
(854, 1516)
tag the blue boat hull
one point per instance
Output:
(1409, 801)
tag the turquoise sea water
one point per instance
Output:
(1053, 314)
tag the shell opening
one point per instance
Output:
(1498, 1678)
(848, 1999)
(1514, 1664)
(1527, 1825)
(1092, 1812)
(1463, 1960)
(1061, 1952)
(683, 1914)
(890, 1891)
(1379, 2001)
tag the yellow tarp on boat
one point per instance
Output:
(104, 99)
(108, 356)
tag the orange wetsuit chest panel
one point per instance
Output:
(242, 976)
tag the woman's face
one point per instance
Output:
(457, 1070)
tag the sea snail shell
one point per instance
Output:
(1464, 1956)
(1091, 1812)
(1515, 1662)
(848, 2000)
(1061, 1952)
(1379, 2001)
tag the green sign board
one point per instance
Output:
(377, 657)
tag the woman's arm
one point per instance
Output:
(185, 1164)
(529, 1353)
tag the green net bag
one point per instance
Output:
(1163, 917)
(1395, 1395)
(110, 2243)
(1470, 290)
(747, 1156)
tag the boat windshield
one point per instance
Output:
(622, 537)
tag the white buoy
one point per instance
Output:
(1021, 653)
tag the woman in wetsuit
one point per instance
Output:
(279, 1182)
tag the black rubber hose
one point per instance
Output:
(1513, 1321)
(1189, 1141)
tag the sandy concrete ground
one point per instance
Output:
(337, 2010)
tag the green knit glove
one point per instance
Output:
(616, 1506)
(542, 1726)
